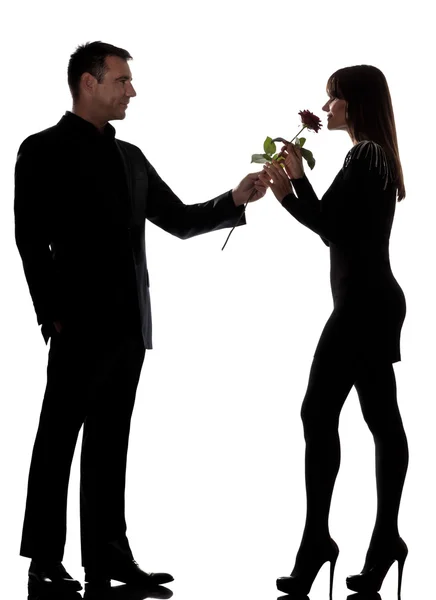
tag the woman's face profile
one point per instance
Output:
(335, 108)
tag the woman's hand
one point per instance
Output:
(275, 178)
(293, 161)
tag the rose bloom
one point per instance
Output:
(310, 120)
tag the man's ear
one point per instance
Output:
(88, 83)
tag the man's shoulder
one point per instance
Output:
(41, 139)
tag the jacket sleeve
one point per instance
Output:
(167, 211)
(365, 175)
(31, 230)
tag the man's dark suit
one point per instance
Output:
(81, 201)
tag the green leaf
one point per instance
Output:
(302, 142)
(275, 156)
(281, 158)
(269, 146)
(258, 158)
(308, 156)
(267, 157)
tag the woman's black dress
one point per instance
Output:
(354, 218)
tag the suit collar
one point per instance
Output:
(83, 127)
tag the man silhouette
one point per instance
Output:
(81, 201)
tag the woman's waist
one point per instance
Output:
(357, 272)
(378, 288)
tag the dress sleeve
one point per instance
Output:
(354, 197)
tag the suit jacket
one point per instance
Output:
(80, 224)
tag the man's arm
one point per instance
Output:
(167, 211)
(32, 186)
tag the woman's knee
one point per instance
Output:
(317, 414)
(377, 393)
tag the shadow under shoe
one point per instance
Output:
(53, 595)
(124, 592)
(365, 596)
(372, 576)
(47, 577)
(299, 584)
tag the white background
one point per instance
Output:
(215, 491)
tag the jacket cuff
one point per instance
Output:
(239, 211)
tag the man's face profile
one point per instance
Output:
(109, 99)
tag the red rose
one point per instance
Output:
(310, 120)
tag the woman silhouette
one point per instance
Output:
(361, 339)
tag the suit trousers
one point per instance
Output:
(91, 381)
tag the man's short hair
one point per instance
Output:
(91, 58)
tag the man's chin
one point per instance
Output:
(117, 117)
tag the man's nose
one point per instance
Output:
(131, 91)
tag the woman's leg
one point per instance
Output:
(330, 382)
(377, 392)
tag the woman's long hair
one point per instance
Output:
(369, 114)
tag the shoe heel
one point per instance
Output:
(332, 573)
(401, 562)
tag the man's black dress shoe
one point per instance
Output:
(125, 571)
(51, 576)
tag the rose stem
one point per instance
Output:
(254, 192)
(240, 217)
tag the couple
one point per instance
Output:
(81, 201)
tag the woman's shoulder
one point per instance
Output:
(370, 156)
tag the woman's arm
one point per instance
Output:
(305, 191)
(358, 195)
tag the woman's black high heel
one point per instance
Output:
(300, 584)
(371, 578)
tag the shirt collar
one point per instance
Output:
(85, 127)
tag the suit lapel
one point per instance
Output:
(128, 173)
